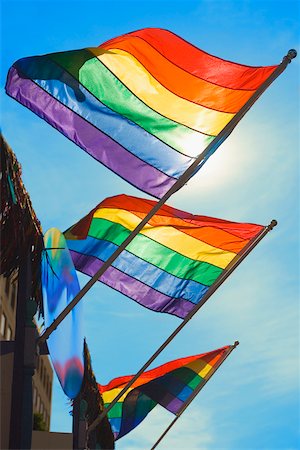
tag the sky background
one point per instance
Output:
(252, 402)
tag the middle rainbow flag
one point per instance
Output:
(173, 261)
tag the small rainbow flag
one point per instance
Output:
(170, 385)
(144, 104)
(173, 261)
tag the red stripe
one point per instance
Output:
(162, 370)
(166, 216)
(172, 216)
(199, 63)
(179, 81)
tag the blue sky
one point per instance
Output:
(253, 400)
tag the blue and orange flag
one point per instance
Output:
(171, 264)
(59, 286)
(171, 385)
(144, 104)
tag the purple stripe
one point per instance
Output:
(174, 405)
(133, 288)
(86, 136)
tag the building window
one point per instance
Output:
(38, 400)
(3, 324)
(49, 388)
(13, 296)
(8, 333)
(42, 370)
(34, 396)
(46, 384)
(7, 284)
(45, 380)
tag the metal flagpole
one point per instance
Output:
(178, 184)
(220, 280)
(194, 394)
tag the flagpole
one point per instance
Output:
(176, 186)
(220, 280)
(194, 394)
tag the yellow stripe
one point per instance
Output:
(133, 74)
(199, 366)
(170, 237)
(109, 396)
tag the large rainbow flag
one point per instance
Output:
(170, 265)
(144, 104)
(170, 385)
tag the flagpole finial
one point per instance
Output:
(292, 53)
(236, 344)
(272, 224)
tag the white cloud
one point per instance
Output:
(193, 430)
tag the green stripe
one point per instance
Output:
(116, 410)
(143, 405)
(188, 376)
(107, 88)
(155, 253)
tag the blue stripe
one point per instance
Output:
(115, 424)
(175, 386)
(63, 87)
(141, 270)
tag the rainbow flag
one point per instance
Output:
(170, 385)
(173, 261)
(144, 104)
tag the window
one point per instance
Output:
(13, 296)
(8, 333)
(47, 384)
(42, 370)
(49, 389)
(2, 324)
(34, 396)
(7, 285)
(38, 400)
(45, 379)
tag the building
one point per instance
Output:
(43, 377)
(42, 389)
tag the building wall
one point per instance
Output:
(8, 300)
(43, 440)
(42, 389)
(6, 368)
(43, 377)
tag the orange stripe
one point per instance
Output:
(211, 230)
(212, 236)
(180, 82)
(199, 63)
(168, 215)
(210, 358)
